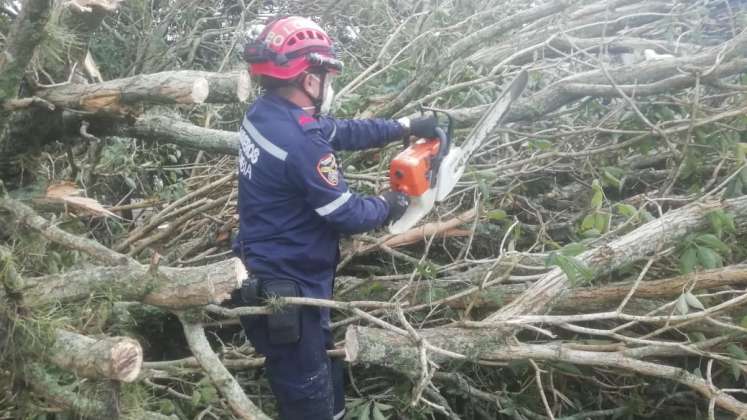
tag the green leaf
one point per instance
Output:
(696, 336)
(497, 215)
(693, 301)
(383, 407)
(736, 369)
(688, 259)
(612, 180)
(572, 249)
(717, 221)
(484, 190)
(592, 233)
(365, 413)
(681, 305)
(540, 144)
(196, 397)
(581, 268)
(377, 414)
(709, 258)
(130, 182)
(741, 151)
(427, 269)
(166, 407)
(598, 197)
(626, 210)
(736, 351)
(588, 222)
(713, 242)
(600, 222)
(208, 395)
(568, 368)
(646, 216)
(729, 226)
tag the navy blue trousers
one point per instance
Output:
(306, 383)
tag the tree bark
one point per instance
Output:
(27, 32)
(182, 133)
(171, 87)
(171, 288)
(117, 358)
(588, 299)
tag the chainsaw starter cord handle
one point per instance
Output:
(397, 202)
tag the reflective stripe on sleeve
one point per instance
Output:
(262, 141)
(334, 204)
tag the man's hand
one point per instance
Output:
(424, 127)
(421, 127)
(397, 202)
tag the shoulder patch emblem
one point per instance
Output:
(327, 169)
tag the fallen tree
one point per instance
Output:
(600, 229)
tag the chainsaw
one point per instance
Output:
(429, 169)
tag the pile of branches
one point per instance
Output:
(590, 263)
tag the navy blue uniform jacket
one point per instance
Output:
(293, 200)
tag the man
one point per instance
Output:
(294, 204)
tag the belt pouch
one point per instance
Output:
(283, 325)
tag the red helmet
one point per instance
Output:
(288, 46)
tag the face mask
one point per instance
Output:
(328, 95)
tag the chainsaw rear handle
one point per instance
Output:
(444, 144)
(449, 117)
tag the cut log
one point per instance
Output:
(117, 358)
(171, 87)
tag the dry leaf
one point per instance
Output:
(69, 193)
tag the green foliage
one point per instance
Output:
(707, 250)
(362, 409)
(428, 270)
(576, 270)
(597, 221)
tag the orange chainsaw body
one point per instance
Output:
(410, 171)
